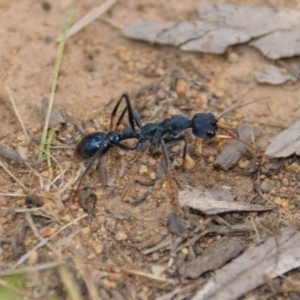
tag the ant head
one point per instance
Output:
(204, 125)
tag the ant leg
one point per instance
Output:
(92, 161)
(133, 118)
(165, 154)
(114, 112)
(179, 139)
(173, 189)
(101, 170)
(121, 146)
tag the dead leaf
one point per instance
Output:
(206, 202)
(213, 257)
(234, 149)
(286, 143)
(56, 118)
(281, 43)
(176, 224)
(276, 256)
(273, 75)
(222, 25)
(87, 201)
(10, 153)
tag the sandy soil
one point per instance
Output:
(98, 66)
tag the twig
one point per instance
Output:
(163, 244)
(42, 243)
(37, 234)
(32, 269)
(259, 239)
(114, 24)
(273, 113)
(17, 113)
(89, 18)
(289, 68)
(136, 272)
(13, 176)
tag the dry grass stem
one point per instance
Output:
(17, 113)
(42, 243)
(13, 177)
(89, 18)
(36, 268)
(37, 234)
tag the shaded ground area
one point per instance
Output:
(127, 249)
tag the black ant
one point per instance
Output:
(203, 125)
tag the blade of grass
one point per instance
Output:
(48, 144)
(55, 77)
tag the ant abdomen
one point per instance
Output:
(89, 145)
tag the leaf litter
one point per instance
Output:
(286, 143)
(275, 33)
(274, 75)
(186, 236)
(156, 260)
(275, 256)
(212, 202)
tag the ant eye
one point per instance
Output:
(210, 134)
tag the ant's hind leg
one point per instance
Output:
(114, 112)
(133, 118)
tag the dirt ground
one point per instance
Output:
(106, 254)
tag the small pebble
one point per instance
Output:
(152, 175)
(46, 232)
(45, 173)
(265, 187)
(211, 159)
(33, 258)
(21, 138)
(121, 236)
(143, 169)
(34, 130)
(155, 256)
(233, 57)
(152, 162)
(244, 164)
(189, 163)
(3, 200)
(285, 182)
(181, 87)
(185, 250)
(278, 201)
(115, 276)
(157, 270)
(110, 285)
(85, 230)
(285, 204)
(98, 248)
(219, 93)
